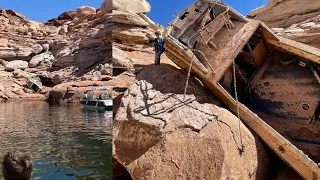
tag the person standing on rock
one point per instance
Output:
(158, 46)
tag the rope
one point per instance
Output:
(241, 149)
(176, 12)
(188, 77)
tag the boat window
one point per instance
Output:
(184, 15)
(92, 103)
(35, 88)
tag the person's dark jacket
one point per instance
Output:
(158, 44)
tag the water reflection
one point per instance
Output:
(68, 142)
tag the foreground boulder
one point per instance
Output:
(160, 135)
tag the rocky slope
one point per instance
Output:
(295, 19)
(74, 47)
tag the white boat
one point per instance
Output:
(97, 104)
(103, 102)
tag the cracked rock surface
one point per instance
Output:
(159, 134)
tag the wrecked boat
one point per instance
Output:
(272, 83)
(34, 83)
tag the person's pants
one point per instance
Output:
(157, 58)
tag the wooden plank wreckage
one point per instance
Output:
(272, 83)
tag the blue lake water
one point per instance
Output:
(67, 141)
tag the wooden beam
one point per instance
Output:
(315, 74)
(268, 33)
(225, 56)
(299, 49)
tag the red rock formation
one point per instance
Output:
(295, 19)
(73, 47)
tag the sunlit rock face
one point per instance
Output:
(295, 19)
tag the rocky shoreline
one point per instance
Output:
(75, 47)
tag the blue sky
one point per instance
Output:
(161, 9)
(43, 10)
(40, 10)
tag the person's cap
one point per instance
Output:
(159, 32)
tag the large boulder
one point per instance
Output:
(64, 61)
(283, 13)
(45, 47)
(46, 56)
(133, 6)
(85, 11)
(12, 65)
(159, 134)
(67, 15)
(128, 34)
(293, 19)
(128, 18)
(119, 58)
(37, 48)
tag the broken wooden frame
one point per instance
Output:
(249, 43)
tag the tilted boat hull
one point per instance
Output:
(279, 97)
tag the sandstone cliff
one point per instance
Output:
(74, 47)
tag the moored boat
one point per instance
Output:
(102, 101)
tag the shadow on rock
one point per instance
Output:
(168, 79)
